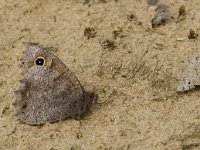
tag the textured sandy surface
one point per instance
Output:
(138, 107)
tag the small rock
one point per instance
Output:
(192, 34)
(190, 78)
(152, 2)
(90, 32)
(162, 16)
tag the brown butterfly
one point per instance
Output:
(48, 91)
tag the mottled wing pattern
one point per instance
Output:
(48, 93)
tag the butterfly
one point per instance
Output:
(48, 90)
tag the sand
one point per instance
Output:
(131, 67)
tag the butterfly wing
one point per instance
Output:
(45, 96)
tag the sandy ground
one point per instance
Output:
(138, 107)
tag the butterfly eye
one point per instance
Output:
(40, 61)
